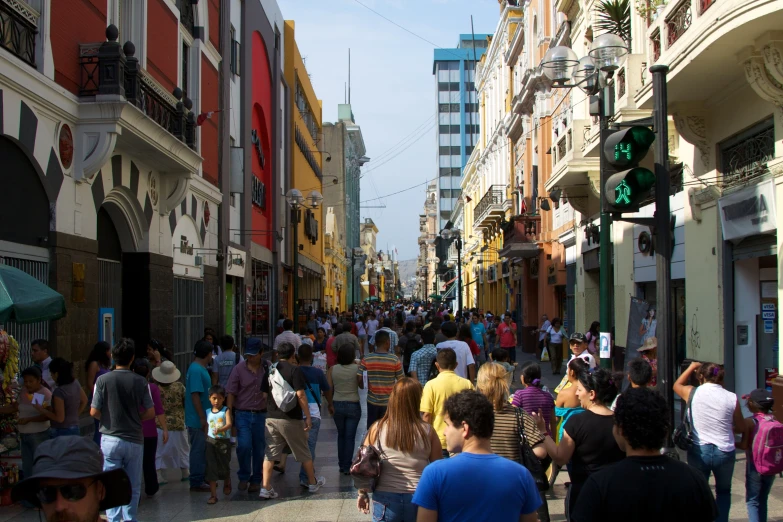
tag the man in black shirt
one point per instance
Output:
(645, 486)
(287, 428)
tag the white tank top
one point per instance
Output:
(713, 411)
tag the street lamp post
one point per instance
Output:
(561, 65)
(295, 201)
(448, 233)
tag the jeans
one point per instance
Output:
(709, 459)
(250, 445)
(151, 485)
(30, 441)
(198, 456)
(393, 507)
(312, 438)
(96, 435)
(121, 454)
(374, 413)
(62, 432)
(512, 353)
(757, 489)
(346, 417)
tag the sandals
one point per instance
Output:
(226, 489)
(212, 500)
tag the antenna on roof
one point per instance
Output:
(349, 76)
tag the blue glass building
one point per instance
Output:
(458, 115)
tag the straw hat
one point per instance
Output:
(166, 373)
(649, 344)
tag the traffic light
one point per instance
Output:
(631, 184)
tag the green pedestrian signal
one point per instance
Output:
(630, 184)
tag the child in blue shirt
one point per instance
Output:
(218, 452)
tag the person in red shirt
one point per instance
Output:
(466, 337)
(507, 336)
(331, 355)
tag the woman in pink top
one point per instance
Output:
(150, 431)
(533, 398)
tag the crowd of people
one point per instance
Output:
(456, 441)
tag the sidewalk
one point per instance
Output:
(336, 501)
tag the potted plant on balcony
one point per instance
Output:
(614, 16)
(650, 9)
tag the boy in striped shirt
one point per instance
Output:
(383, 370)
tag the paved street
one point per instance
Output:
(337, 500)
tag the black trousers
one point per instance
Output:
(148, 465)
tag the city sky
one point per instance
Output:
(392, 91)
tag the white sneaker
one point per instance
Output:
(268, 493)
(320, 481)
(304, 484)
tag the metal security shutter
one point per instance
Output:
(27, 333)
(110, 290)
(755, 246)
(188, 319)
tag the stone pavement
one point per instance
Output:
(337, 500)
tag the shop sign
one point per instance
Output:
(748, 212)
(311, 227)
(258, 193)
(235, 262)
(257, 145)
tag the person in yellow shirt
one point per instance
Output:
(437, 390)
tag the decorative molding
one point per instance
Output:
(176, 186)
(153, 84)
(24, 9)
(94, 145)
(691, 125)
(771, 45)
(759, 79)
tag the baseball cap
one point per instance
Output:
(253, 346)
(578, 337)
(761, 397)
(73, 457)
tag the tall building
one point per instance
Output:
(458, 115)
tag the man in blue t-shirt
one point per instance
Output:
(465, 487)
(479, 334)
(197, 384)
(316, 383)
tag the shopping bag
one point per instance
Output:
(319, 360)
(545, 355)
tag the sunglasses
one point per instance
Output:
(70, 492)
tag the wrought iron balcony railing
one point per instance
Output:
(107, 68)
(18, 27)
(678, 22)
(494, 197)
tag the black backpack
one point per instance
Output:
(433, 371)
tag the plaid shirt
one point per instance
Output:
(421, 360)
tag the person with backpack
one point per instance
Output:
(716, 417)
(762, 441)
(248, 407)
(284, 389)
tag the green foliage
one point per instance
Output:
(614, 16)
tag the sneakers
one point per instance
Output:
(268, 493)
(320, 481)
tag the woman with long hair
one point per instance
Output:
(149, 429)
(592, 336)
(407, 444)
(97, 363)
(68, 400)
(347, 408)
(717, 416)
(588, 441)
(492, 383)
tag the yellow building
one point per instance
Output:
(335, 265)
(305, 134)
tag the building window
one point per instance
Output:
(443, 86)
(186, 15)
(235, 52)
(445, 171)
(444, 150)
(456, 172)
(455, 129)
(455, 150)
(454, 86)
(445, 214)
(185, 68)
(470, 86)
(469, 150)
(443, 129)
(744, 157)
(443, 107)
(445, 193)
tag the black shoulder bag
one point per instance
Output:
(528, 459)
(683, 435)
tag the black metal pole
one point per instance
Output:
(667, 349)
(459, 274)
(605, 239)
(295, 284)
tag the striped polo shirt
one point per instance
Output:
(383, 370)
(532, 399)
(505, 436)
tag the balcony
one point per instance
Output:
(701, 42)
(569, 164)
(18, 28)
(521, 236)
(124, 105)
(491, 208)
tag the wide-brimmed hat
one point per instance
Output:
(649, 344)
(73, 457)
(166, 373)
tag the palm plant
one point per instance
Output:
(614, 16)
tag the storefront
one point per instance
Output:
(748, 223)
(235, 294)
(260, 320)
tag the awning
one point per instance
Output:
(447, 283)
(520, 249)
(451, 291)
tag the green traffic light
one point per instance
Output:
(623, 151)
(623, 194)
(629, 146)
(626, 190)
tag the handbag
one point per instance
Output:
(366, 465)
(528, 459)
(683, 435)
